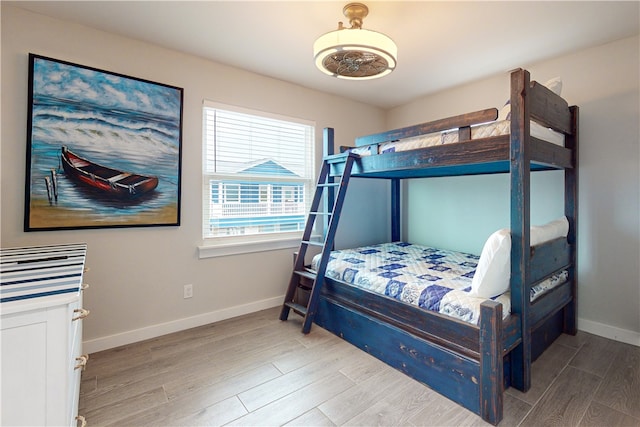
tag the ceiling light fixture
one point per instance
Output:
(355, 53)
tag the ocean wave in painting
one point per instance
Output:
(137, 139)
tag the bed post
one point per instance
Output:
(571, 212)
(328, 149)
(520, 225)
(395, 210)
(491, 362)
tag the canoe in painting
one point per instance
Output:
(109, 181)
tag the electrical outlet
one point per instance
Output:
(188, 291)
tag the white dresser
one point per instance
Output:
(41, 334)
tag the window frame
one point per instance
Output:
(240, 244)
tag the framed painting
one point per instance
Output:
(103, 149)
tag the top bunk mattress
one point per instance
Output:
(433, 279)
(486, 130)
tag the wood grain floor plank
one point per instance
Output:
(215, 415)
(110, 379)
(599, 415)
(119, 381)
(575, 341)
(134, 379)
(224, 387)
(620, 389)
(323, 365)
(566, 401)
(190, 404)
(205, 364)
(397, 408)
(106, 415)
(596, 355)
(361, 396)
(365, 369)
(440, 411)
(226, 367)
(447, 413)
(116, 359)
(514, 410)
(297, 359)
(544, 371)
(313, 418)
(114, 396)
(88, 385)
(317, 338)
(265, 336)
(183, 340)
(217, 337)
(177, 382)
(297, 403)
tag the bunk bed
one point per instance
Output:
(471, 362)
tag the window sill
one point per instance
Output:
(239, 248)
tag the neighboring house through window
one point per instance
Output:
(258, 174)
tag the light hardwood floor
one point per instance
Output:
(256, 370)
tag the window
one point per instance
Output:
(258, 174)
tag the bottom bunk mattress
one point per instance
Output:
(433, 279)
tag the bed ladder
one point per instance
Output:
(303, 279)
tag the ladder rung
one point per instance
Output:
(300, 309)
(320, 213)
(340, 157)
(309, 274)
(329, 184)
(309, 242)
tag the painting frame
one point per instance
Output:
(104, 150)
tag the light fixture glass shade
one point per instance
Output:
(355, 53)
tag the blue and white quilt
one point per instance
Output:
(434, 279)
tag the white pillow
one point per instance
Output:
(494, 268)
(552, 230)
(492, 276)
(554, 84)
(505, 111)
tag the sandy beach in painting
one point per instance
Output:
(45, 215)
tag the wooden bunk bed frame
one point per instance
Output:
(472, 364)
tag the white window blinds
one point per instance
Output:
(258, 172)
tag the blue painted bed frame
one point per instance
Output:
(471, 364)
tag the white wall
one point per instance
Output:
(137, 274)
(461, 212)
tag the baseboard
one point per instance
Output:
(611, 332)
(129, 337)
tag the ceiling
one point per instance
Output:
(440, 44)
